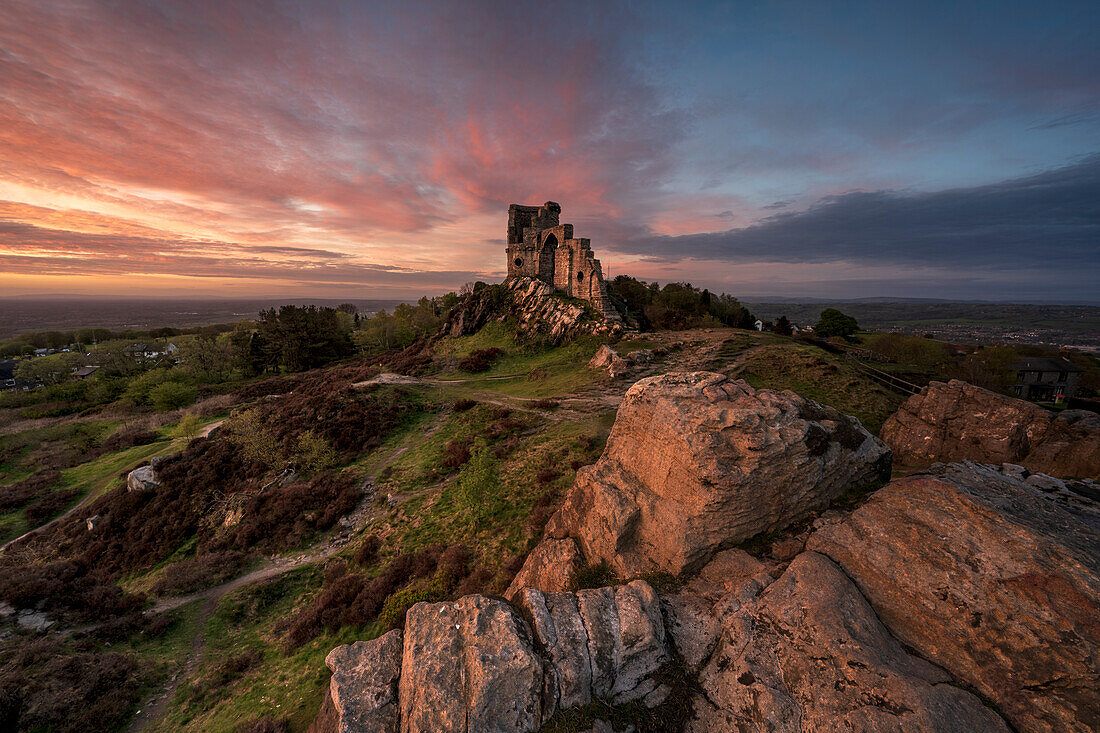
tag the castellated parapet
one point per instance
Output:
(541, 247)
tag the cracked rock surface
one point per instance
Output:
(991, 577)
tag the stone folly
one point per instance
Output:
(540, 247)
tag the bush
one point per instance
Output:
(545, 404)
(49, 505)
(481, 360)
(368, 551)
(172, 396)
(19, 493)
(464, 404)
(189, 425)
(598, 575)
(456, 453)
(43, 688)
(313, 453)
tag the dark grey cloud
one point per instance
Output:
(1050, 220)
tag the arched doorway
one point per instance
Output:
(546, 255)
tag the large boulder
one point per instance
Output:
(476, 665)
(142, 478)
(808, 654)
(696, 462)
(991, 577)
(957, 421)
(469, 666)
(363, 689)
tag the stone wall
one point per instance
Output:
(541, 247)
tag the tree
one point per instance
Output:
(255, 438)
(47, 370)
(313, 453)
(835, 323)
(479, 480)
(189, 425)
(172, 396)
(783, 326)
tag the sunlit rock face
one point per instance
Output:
(697, 462)
(957, 421)
(995, 580)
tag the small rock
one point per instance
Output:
(142, 478)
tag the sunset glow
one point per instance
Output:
(339, 149)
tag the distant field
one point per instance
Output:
(19, 315)
(1069, 324)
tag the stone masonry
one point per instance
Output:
(540, 247)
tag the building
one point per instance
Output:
(1045, 379)
(541, 247)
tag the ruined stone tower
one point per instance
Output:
(540, 247)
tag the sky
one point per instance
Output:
(371, 149)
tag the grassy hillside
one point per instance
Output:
(252, 578)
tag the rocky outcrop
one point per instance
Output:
(547, 568)
(603, 643)
(540, 312)
(697, 462)
(476, 665)
(363, 689)
(809, 654)
(469, 666)
(142, 478)
(602, 358)
(958, 421)
(990, 577)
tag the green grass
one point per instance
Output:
(821, 377)
(281, 685)
(543, 372)
(90, 479)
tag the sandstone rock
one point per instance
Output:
(641, 356)
(538, 311)
(696, 462)
(92, 521)
(602, 358)
(547, 567)
(958, 421)
(619, 367)
(604, 643)
(364, 681)
(469, 666)
(989, 577)
(694, 614)
(142, 478)
(809, 654)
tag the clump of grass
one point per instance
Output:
(592, 575)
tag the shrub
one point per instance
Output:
(49, 505)
(43, 688)
(19, 493)
(456, 453)
(313, 453)
(266, 724)
(172, 396)
(189, 425)
(464, 404)
(481, 360)
(598, 575)
(479, 481)
(545, 404)
(196, 573)
(368, 551)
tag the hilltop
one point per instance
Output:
(304, 511)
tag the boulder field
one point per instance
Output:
(957, 421)
(965, 597)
